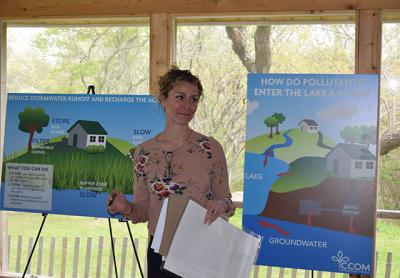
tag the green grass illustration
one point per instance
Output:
(304, 144)
(303, 172)
(113, 169)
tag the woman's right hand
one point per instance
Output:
(117, 203)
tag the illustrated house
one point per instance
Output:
(307, 125)
(351, 161)
(86, 133)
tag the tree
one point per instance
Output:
(31, 121)
(310, 51)
(114, 59)
(271, 122)
(281, 118)
(222, 111)
(368, 135)
(260, 61)
(350, 134)
(365, 135)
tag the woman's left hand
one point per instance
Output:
(215, 208)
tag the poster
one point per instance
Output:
(63, 154)
(310, 170)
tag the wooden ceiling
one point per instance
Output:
(28, 9)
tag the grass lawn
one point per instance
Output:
(26, 225)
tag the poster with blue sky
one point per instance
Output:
(310, 170)
(63, 154)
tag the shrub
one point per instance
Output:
(95, 149)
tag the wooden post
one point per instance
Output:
(368, 61)
(160, 48)
(368, 41)
(3, 215)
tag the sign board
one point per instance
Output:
(310, 170)
(63, 154)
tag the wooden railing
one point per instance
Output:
(91, 257)
(97, 260)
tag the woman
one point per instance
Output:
(179, 160)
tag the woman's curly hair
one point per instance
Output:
(173, 76)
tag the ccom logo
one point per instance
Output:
(345, 264)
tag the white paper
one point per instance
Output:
(155, 245)
(215, 251)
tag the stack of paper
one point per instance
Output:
(193, 249)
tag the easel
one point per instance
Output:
(34, 245)
(133, 244)
(91, 91)
(112, 245)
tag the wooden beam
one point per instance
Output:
(368, 41)
(160, 48)
(18, 9)
(3, 100)
(368, 60)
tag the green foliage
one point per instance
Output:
(389, 181)
(67, 60)
(281, 118)
(359, 134)
(33, 120)
(390, 75)
(271, 122)
(95, 149)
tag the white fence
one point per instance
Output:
(64, 259)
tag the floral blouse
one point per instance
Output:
(197, 170)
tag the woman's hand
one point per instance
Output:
(215, 208)
(117, 203)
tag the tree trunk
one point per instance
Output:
(389, 141)
(238, 36)
(259, 63)
(263, 49)
(30, 139)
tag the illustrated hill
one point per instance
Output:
(305, 156)
(312, 192)
(111, 169)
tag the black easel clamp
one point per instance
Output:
(91, 90)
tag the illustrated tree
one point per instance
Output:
(271, 122)
(256, 55)
(350, 134)
(368, 135)
(31, 121)
(365, 135)
(281, 118)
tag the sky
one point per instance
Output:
(343, 100)
(21, 37)
(119, 119)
